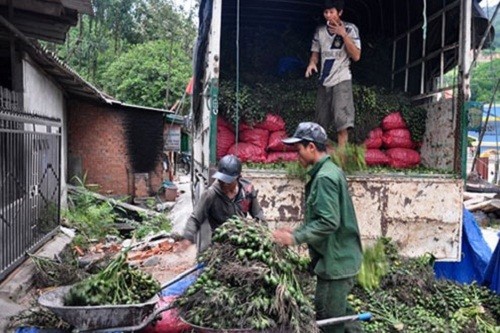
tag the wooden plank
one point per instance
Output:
(470, 195)
(125, 205)
(485, 206)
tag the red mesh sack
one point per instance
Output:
(256, 136)
(248, 152)
(222, 122)
(274, 157)
(275, 143)
(393, 121)
(169, 321)
(244, 127)
(403, 158)
(374, 139)
(398, 138)
(272, 123)
(225, 139)
(375, 157)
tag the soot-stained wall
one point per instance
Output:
(110, 144)
(144, 137)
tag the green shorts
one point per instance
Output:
(335, 104)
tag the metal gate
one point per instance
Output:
(30, 169)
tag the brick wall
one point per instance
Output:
(97, 146)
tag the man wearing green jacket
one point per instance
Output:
(330, 227)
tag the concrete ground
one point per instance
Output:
(15, 288)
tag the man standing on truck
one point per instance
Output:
(336, 43)
(229, 195)
(330, 228)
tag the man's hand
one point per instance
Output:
(183, 245)
(312, 68)
(337, 28)
(283, 236)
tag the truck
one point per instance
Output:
(414, 44)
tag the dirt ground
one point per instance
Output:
(169, 264)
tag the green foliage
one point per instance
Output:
(483, 82)
(374, 267)
(93, 219)
(372, 104)
(484, 77)
(294, 100)
(151, 226)
(120, 26)
(350, 159)
(244, 106)
(410, 299)
(144, 82)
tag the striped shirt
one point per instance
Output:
(335, 61)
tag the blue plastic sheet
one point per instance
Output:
(476, 255)
(492, 274)
(38, 330)
(290, 64)
(179, 287)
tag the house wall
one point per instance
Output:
(99, 148)
(43, 97)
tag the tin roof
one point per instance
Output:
(47, 20)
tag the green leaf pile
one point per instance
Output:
(250, 283)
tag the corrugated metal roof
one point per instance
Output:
(82, 6)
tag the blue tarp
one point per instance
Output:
(179, 287)
(288, 65)
(38, 330)
(492, 274)
(476, 255)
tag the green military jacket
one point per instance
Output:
(330, 227)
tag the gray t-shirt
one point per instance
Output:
(334, 58)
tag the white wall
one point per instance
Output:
(43, 97)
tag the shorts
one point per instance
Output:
(335, 103)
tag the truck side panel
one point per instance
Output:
(421, 215)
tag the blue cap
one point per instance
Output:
(307, 131)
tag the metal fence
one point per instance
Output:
(30, 169)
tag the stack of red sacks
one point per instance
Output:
(260, 143)
(391, 144)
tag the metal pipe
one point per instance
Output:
(346, 319)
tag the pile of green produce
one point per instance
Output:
(295, 101)
(250, 283)
(404, 296)
(118, 283)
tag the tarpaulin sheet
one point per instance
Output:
(476, 255)
(179, 287)
(492, 274)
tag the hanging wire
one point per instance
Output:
(424, 25)
(237, 71)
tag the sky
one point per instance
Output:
(486, 3)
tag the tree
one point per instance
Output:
(484, 80)
(103, 44)
(140, 75)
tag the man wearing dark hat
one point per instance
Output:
(229, 195)
(330, 228)
(336, 43)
